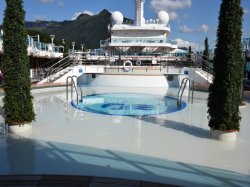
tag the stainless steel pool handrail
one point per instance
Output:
(77, 86)
(73, 86)
(182, 88)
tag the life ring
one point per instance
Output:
(127, 65)
(164, 64)
(138, 63)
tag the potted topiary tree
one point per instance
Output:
(18, 106)
(225, 91)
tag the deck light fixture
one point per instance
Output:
(73, 46)
(82, 46)
(52, 37)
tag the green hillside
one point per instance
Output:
(86, 29)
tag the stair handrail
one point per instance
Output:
(43, 70)
(202, 66)
(42, 67)
(204, 63)
(182, 88)
(51, 68)
(59, 68)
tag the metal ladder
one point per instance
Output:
(182, 88)
(72, 86)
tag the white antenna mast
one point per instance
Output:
(139, 11)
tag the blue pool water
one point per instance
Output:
(128, 104)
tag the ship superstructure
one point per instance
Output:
(141, 38)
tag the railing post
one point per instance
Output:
(67, 89)
(192, 91)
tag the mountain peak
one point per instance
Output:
(104, 12)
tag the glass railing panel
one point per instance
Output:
(139, 40)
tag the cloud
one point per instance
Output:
(183, 43)
(186, 29)
(246, 11)
(47, 1)
(76, 14)
(58, 2)
(203, 28)
(88, 12)
(40, 17)
(170, 4)
(173, 15)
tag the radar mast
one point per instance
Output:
(139, 11)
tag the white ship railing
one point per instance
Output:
(101, 52)
(40, 49)
(136, 41)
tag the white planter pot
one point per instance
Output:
(19, 128)
(224, 136)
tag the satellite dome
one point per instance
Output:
(116, 18)
(163, 17)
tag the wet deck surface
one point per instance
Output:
(67, 144)
(70, 181)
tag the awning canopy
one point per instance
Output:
(179, 51)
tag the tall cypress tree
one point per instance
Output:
(205, 56)
(224, 92)
(189, 53)
(18, 105)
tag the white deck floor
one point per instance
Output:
(170, 148)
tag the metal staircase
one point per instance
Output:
(59, 69)
(203, 67)
(55, 71)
